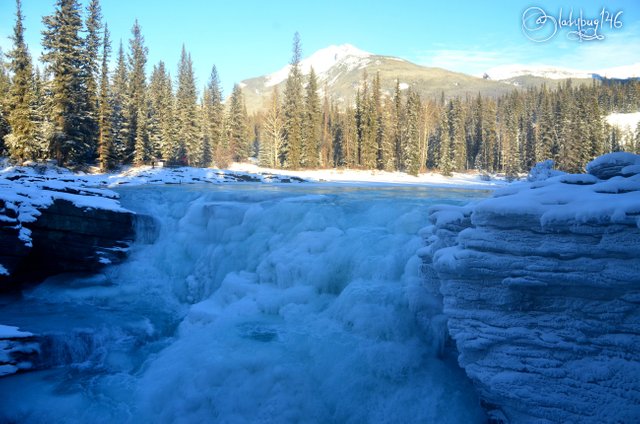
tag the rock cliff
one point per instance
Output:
(541, 288)
(48, 226)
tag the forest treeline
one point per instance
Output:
(80, 112)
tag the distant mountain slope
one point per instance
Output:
(340, 69)
(508, 72)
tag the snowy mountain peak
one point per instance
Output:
(323, 61)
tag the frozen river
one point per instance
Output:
(255, 304)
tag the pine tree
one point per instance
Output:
(457, 135)
(411, 140)
(106, 151)
(380, 121)
(367, 128)
(238, 128)
(91, 70)
(312, 124)
(64, 49)
(21, 142)
(160, 114)
(386, 137)
(509, 135)
(293, 108)
(326, 144)
(119, 109)
(397, 119)
(41, 113)
(273, 129)
(186, 103)
(170, 148)
(213, 110)
(5, 84)
(545, 128)
(489, 145)
(595, 126)
(142, 147)
(445, 164)
(136, 100)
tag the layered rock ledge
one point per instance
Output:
(541, 288)
(50, 225)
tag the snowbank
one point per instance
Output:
(360, 177)
(541, 285)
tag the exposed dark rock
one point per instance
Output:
(65, 238)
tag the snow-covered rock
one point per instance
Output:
(17, 350)
(52, 223)
(541, 287)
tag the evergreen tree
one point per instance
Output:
(489, 146)
(545, 128)
(445, 163)
(205, 131)
(238, 128)
(457, 135)
(326, 144)
(106, 151)
(41, 112)
(383, 150)
(119, 110)
(386, 139)
(397, 118)
(5, 85)
(142, 147)
(186, 103)
(312, 124)
(293, 108)
(136, 101)
(411, 141)
(91, 70)
(368, 128)
(155, 95)
(273, 130)
(72, 141)
(21, 142)
(595, 131)
(161, 118)
(213, 111)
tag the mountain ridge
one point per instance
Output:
(340, 70)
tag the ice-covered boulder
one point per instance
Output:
(17, 350)
(541, 287)
(614, 164)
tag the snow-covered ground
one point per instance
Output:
(624, 121)
(361, 177)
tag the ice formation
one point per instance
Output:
(541, 288)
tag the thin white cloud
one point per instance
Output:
(617, 49)
(470, 61)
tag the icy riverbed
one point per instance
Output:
(255, 304)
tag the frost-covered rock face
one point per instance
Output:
(541, 286)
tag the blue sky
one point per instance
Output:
(250, 38)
